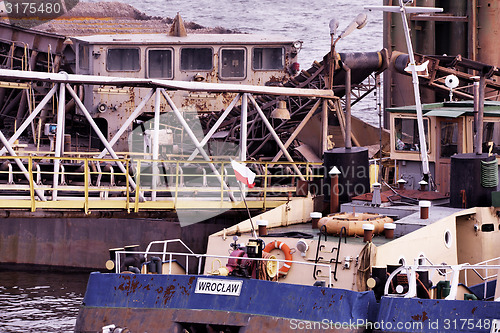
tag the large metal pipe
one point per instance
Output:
(244, 127)
(479, 143)
(348, 127)
(324, 123)
(488, 33)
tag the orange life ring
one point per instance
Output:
(286, 250)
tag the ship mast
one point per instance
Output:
(412, 66)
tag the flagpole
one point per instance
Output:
(248, 210)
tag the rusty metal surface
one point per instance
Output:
(413, 194)
(165, 303)
(7, 74)
(91, 320)
(61, 240)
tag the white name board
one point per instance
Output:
(218, 287)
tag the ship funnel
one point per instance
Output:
(178, 29)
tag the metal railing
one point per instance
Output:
(200, 257)
(453, 276)
(486, 277)
(134, 184)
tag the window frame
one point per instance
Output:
(196, 70)
(87, 56)
(428, 134)
(123, 70)
(494, 120)
(172, 62)
(245, 63)
(283, 58)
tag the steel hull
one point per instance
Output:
(169, 303)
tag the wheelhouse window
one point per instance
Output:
(193, 59)
(449, 138)
(268, 58)
(406, 134)
(232, 64)
(83, 56)
(491, 137)
(160, 64)
(123, 60)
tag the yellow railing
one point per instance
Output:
(89, 183)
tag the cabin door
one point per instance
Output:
(448, 145)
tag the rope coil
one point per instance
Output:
(489, 173)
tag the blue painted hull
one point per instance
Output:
(163, 303)
(430, 315)
(169, 303)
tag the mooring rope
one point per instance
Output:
(489, 173)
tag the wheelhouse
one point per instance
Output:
(449, 130)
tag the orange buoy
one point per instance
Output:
(286, 250)
(353, 223)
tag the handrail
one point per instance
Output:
(411, 272)
(203, 256)
(84, 178)
(165, 244)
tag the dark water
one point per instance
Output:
(40, 301)
(48, 302)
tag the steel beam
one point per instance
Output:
(275, 136)
(196, 142)
(244, 127)
(31, 117)
(166, 84)
(324, 123)
(21, 166)
(102, 138)
(298, 130)
(128, 122)
(215, 127)
(348, 129)
(156, 144)
(59, 139)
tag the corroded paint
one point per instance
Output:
(423, 317)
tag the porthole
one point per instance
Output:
(421, 259)
(447, 238)
(402, 261)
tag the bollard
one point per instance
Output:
(368, 232)
(262, 224)
(389, 230)
(424, 209)
(315, 216)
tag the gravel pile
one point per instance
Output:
(88, 18)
